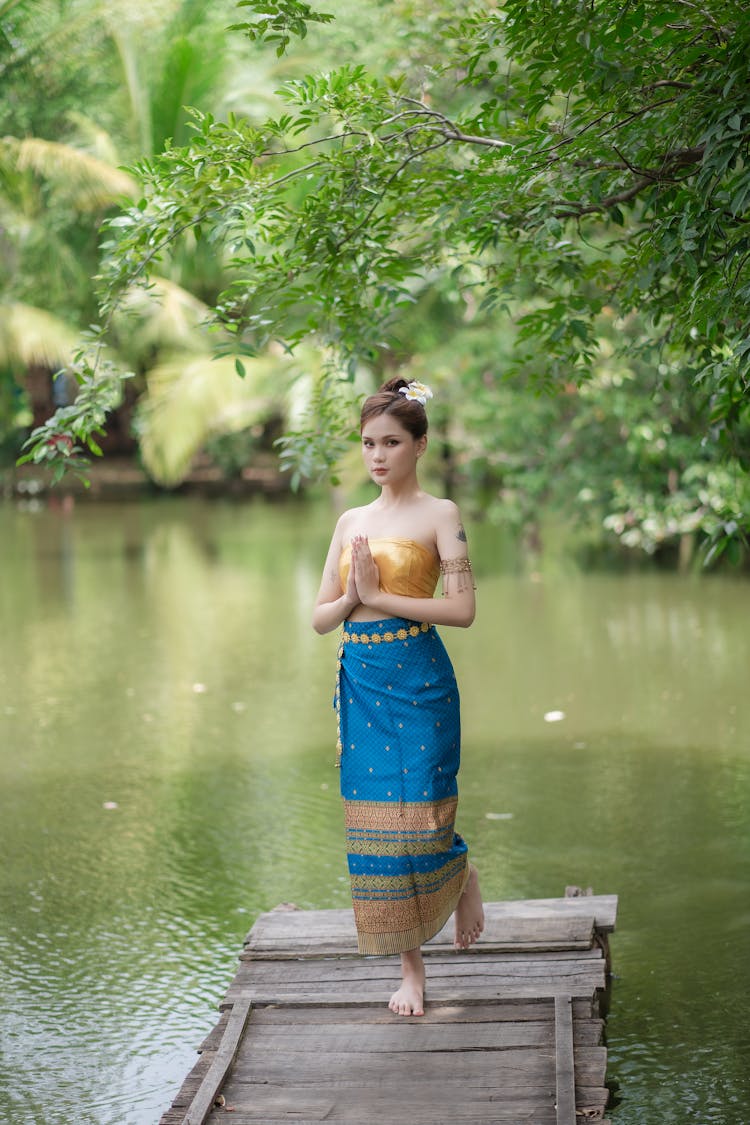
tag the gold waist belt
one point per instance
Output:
(376, 638)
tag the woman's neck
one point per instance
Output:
(400, 496)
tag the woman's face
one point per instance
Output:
(390, 452)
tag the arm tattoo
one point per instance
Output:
(461, 534)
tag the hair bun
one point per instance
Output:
(402, 399)
(393, 386)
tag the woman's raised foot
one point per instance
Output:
(469, 915)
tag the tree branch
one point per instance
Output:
(566, 210)
(469, 139)
(312, 144)
(412, 156)
(453, 131)
(636, 113)
(293, 173)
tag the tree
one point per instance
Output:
(561, 160)
(133, 66)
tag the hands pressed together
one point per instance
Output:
(363, 583)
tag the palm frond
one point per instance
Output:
(88, 182)
(191, 399)
(96, 140)
(164, 316)
(30, 336)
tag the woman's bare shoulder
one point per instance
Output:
(447, 527)
(350, 519)
(435, 519)
(440, 510)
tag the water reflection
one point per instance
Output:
(166, 748)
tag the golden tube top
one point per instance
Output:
(406, 567)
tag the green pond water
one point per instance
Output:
(166, 773)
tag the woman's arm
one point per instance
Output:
(331, 606)
(456, 607)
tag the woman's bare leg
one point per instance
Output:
(408, 1000)
(469, 914)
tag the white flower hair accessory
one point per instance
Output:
(417, 391)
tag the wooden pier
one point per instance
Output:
(512, 1031)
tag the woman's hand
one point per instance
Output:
(332, 606)
(350, 593)
(365, 571)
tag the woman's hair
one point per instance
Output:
(389, 400)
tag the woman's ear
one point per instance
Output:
(421, 445)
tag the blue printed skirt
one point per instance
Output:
(399, 745)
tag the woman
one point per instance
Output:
(396, 696)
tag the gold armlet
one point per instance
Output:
(461, 568)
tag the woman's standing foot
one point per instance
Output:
(408, 1000)
(469, 913)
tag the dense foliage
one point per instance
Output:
(89, 87)
(569, 178)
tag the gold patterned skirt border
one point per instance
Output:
(378, 944)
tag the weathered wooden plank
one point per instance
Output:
(344, 1037)
(516, 934)
(311, 929)
(436, 1089)
(200, 1107)
(366, 1115)
(455, 979)
(583, 990)
(456, 983)
(363, 1106)
(440, 993)
(580, 941)
(458, 975)
(564, 1062)
(443, 987)
(455, 965)
(403, 1037)
(516, 1066)
(318, 1026)
(514, 1011)
(428, 1104)
(432, 1106)
(513, 1114)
